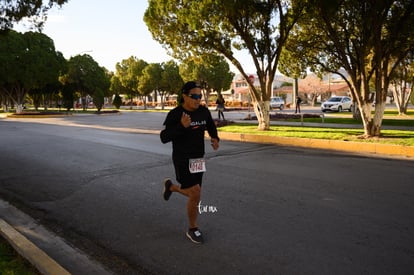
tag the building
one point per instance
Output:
(239, 89)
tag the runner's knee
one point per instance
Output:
(195, 192)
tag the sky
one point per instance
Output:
(108, 30)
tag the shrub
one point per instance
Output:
(117, 102)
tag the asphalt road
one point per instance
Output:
(96, 180)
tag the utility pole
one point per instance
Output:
(295, 91)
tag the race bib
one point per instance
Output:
(197, 165)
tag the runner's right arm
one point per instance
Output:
(173, 127)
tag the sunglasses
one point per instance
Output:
(195, 96)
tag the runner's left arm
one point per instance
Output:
(211, 127)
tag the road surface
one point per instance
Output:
(266, 209)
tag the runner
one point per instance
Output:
(185, 126)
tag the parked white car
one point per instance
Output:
(337, 104)
(277, 102)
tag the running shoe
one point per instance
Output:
(167, 192)
(194, 234)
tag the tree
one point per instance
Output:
(86, 77)
(289, 63)
(68, 95)
(211, 71)
(117, 101)
(171, 80)
(220, 76)
(195, 28)
(99, 99)
(402, 82)
(45, 94)
(128, 71)
(29, 61)
(149, 81)
(104, 90)
(14, 11)
(312, 86)
(368, 39)
(116, 89)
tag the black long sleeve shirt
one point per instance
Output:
(188, 142)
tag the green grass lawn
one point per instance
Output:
(391, 118)
(11, 263)
(398, 137)
(350, 120)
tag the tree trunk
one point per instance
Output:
(313, 100)
(356, 114)
(372, 125)
(402, 97)
(377, 120)
(131, 102)
(365, 112)
(20, 95)
(162, 100)
(84, 104)
(19, 108)
(262, 111)
(5, 102)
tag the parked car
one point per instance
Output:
(337, 104)
(277, 102)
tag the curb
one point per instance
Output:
(334, 145)
(31, 252)
(52, 115)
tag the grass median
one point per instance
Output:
(391, 118)
(406, 122)
(397, 137)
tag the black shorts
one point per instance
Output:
(183, 175)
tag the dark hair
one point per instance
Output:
(187, 87)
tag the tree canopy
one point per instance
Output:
(150, 80)
(128, 72)
(171, 80)
(194, 28)
(29, 61)
(13, 11)
(367, 38)
(211, 71)
(87, 77)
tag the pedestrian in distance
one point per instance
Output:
(185, 127)
(220, 106)
(298, 102)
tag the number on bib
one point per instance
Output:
(197, 165)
